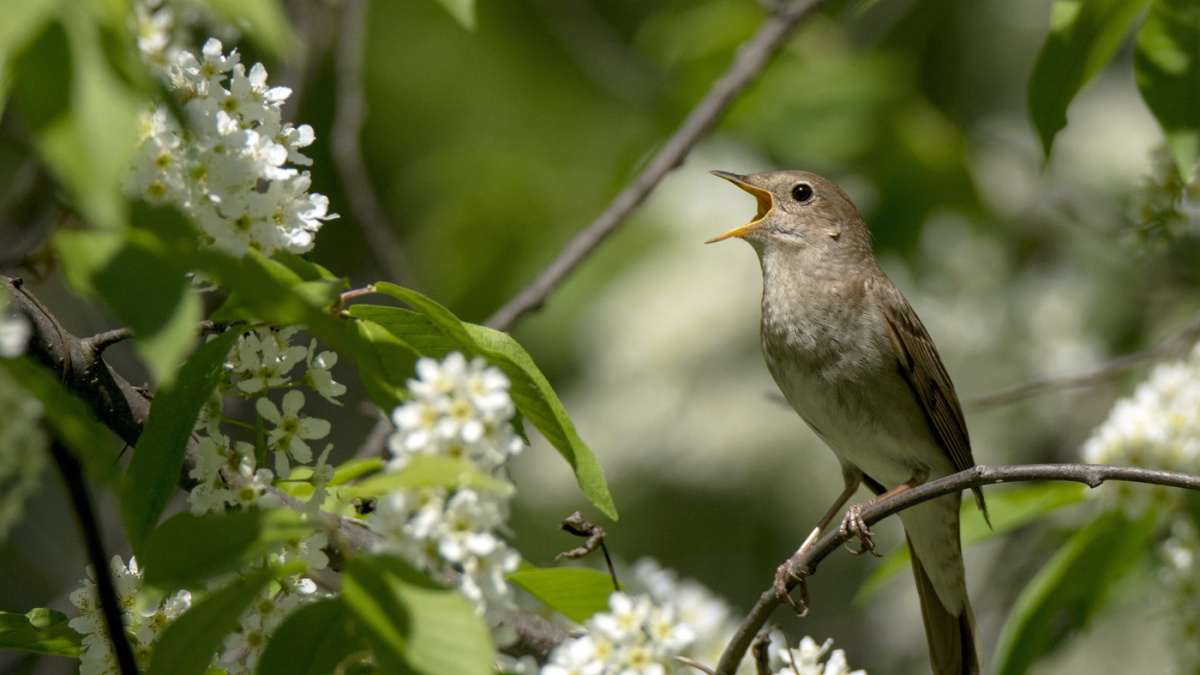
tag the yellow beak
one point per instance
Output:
(765, 204)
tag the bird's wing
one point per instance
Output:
(921, 366)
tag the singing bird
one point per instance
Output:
(857, 365)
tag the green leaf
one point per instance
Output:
(187, 550)
(69, 418)
(263, 21)
(1009, 510)
(187, 646)
(1167, 67)
(463, 11)
(86, 128)
(531, 392)
(264, 290)
(1071, 588)
(158, 457)
(140, 273)
(314, 640)
(414, 328)
(575, 593)
(41, 631)
(431, 471)
(414, 625)
(23, 22)
(1084, 34)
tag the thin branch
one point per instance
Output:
(1173, 347)
(805, 565)
(76, 487)
(349, 115)
(749, 61)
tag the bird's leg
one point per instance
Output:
(785, 572)
(853, 523)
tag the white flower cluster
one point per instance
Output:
(228, 169)
(143, 628)
(636, 635)
(1166, 206)
(228, 472)
(1180, 580)
(245, 646)
(458, 409)
(1158, 427)
(806, 659)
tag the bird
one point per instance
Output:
(855, 362)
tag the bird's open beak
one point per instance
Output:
(765, 203)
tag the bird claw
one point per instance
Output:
(780, 585)
(853, 525)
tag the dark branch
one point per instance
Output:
(1173, 347)
(749, 61)
(805, 565)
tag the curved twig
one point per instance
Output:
(749, 61)
(805, 565)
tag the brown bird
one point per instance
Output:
(853, 359)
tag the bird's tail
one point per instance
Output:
(951, 637)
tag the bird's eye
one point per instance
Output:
(802, 192)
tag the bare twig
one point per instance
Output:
(1173, 347)
(101, 341)
(805, 565)
(349, 114)
(749, 61)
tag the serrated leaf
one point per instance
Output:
(41, 631)
(1167, 67)
(531, 391)
(1009, 510)
(431, 471)
(153, 473)
(1084, 35)
(414, 625)
(314, 640)
(69, 419)
(575, 593)
(187, 550)
(1071, 588)
(188, 644)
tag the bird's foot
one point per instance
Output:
(854, 525)
(783, 576)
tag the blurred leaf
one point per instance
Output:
(575, 593)
(69, 418)
(86, 124)
(188, 644)
(153, 474)
(1167, 66)
(314, 640)
(22, 22)
(1084, 34)
(531, 392)
(1009, 510)
(352, 469)
(414, 625)
(432, 471)
(1071, 588)
(463, 11)
(187, 550)
(263, 21)
(140, 275)
(41, 631)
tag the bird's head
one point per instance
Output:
(797, 209)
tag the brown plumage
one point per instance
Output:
(855, 362)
